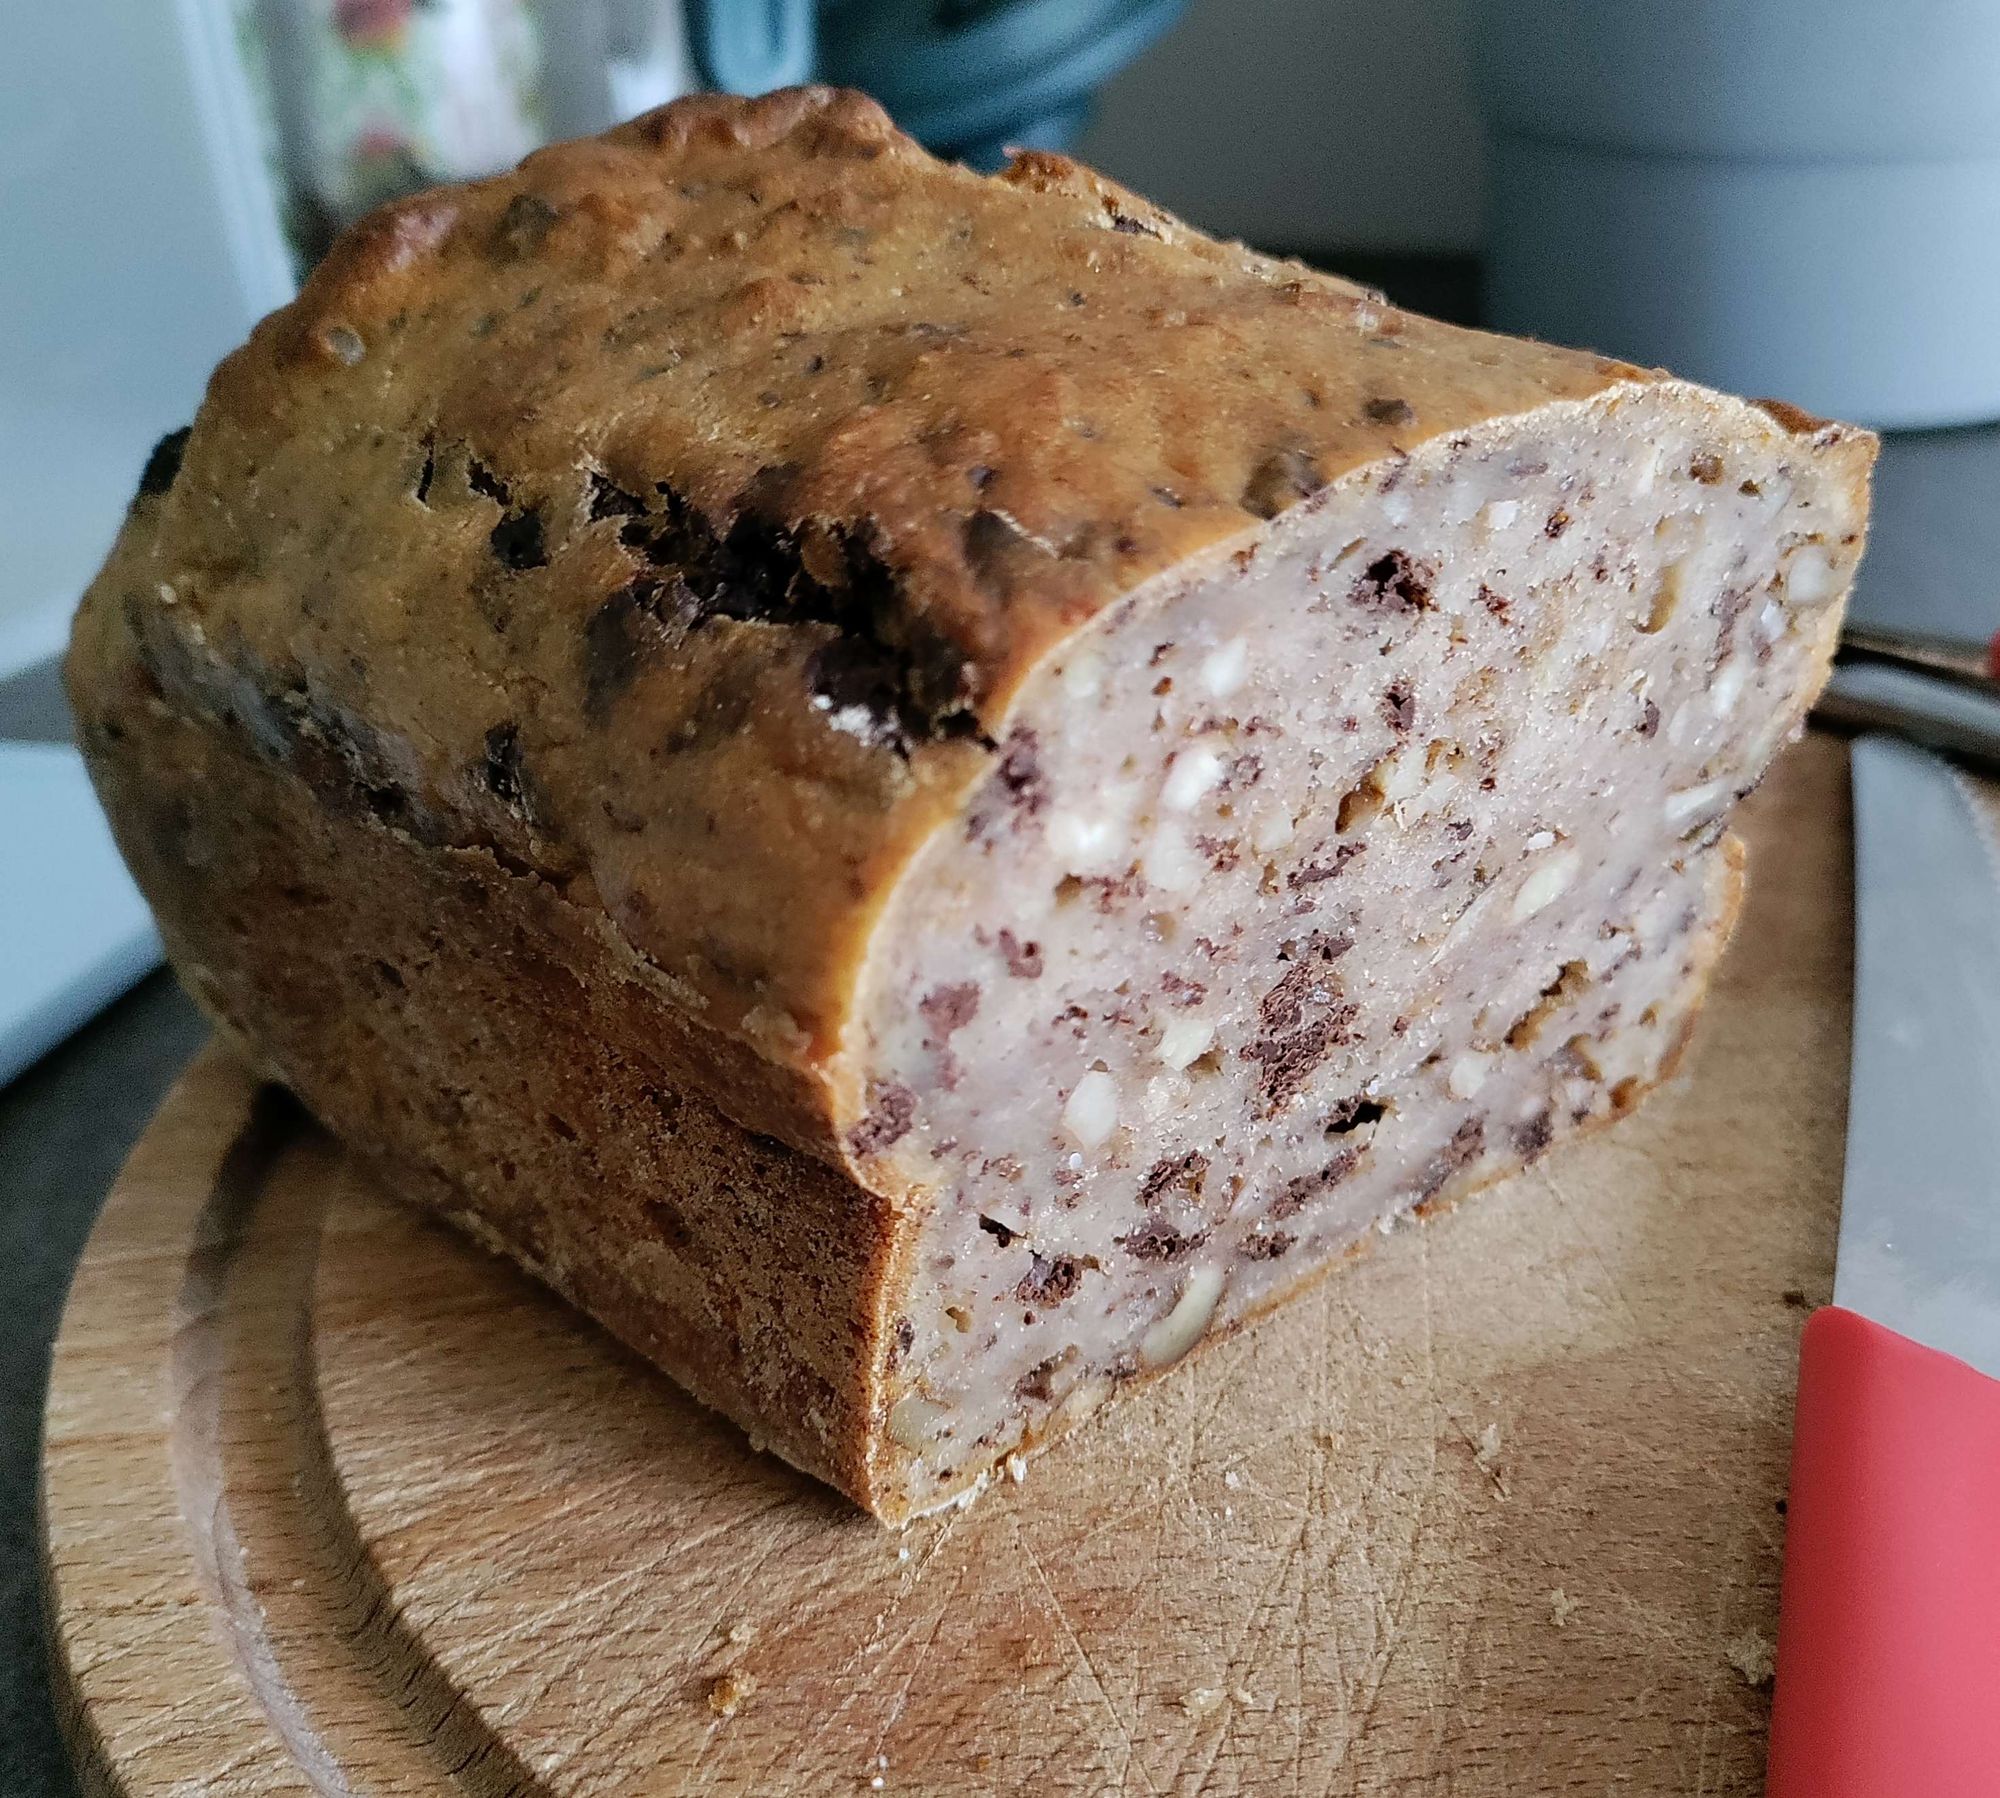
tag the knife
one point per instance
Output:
(1975, 665)
(1888, 1681)
(1960, 715)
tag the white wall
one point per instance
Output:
(126, 269)
(1304, 124)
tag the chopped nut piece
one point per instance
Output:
(1547, 881)
(1195, 773)
(1810, 581)
(914, 1421)
(1171, 863)
(1725, 692)
(1171, 1338)
(1090, 1113)
(1469, 1072)
(1185, 1040)
(1223, 669)
(1695, 802)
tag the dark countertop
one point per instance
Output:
(67, 1124)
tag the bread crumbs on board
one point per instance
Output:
(730, 1692)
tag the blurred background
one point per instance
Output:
(1789, 197)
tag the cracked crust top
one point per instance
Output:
(675, 516)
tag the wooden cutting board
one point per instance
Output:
(336, 1503)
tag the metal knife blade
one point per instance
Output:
(1953, 716)
(1919, 1243)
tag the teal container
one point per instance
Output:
(969, 78)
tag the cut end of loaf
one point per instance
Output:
(1327, 883)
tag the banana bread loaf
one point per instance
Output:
(924, 790)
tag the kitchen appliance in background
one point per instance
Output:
(373, 98)
(76, 931)
(1800, 197)
(141, 241)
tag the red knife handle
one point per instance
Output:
(1889, 1628)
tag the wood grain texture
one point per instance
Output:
(336, 1503)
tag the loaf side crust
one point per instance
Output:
(488, 1047)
